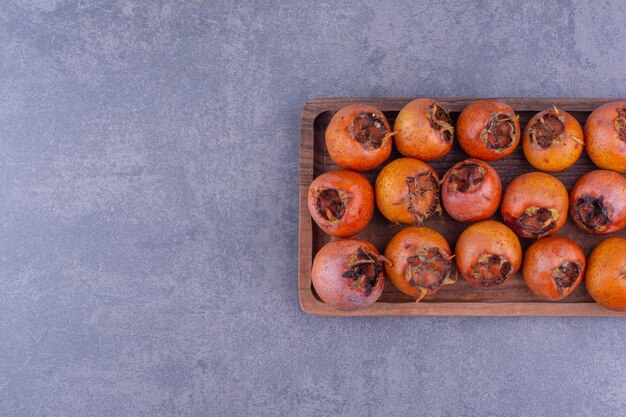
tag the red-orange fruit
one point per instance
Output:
(553, 140)
(553, 267)
(348, 274)
(488, 130)
(407, 191)
(598, 202)
(605, 135)
(424, 130)
(341, 202)
(471, 191)
(488, 253)
(535, 205)
(358, 137)
(420, 261)
(606, 274)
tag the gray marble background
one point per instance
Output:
(148, 222)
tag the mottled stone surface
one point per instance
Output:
(148, 222)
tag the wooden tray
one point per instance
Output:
(512, 298)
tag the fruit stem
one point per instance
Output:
(422, 294)
(388, 135)
(450, 280)
(331, 219)
(577, 140)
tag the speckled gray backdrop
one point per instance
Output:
(148, 222)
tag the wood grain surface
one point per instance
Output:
(512, 298)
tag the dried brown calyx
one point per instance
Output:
(441, 121)
(592, 213)
(369, 130)
(428, 270)
(331, 203)
(537, 221)
(490, 270)
(365, 269)
(620, 123)
(547, 129)
(422, 199)
(500, 131)
(466, 178)
(566, 274)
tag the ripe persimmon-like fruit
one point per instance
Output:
(420, 261)
(348, 274)
(535, 205)
(553, 140)
(605, 136)
(471, 191)
(423, 130)
(553, 267)
(488, 130)
(598, 202)
(407, 191)
(358, 137)
(488, 253)
(341, 202)
(606, 274)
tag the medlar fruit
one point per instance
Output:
(358, 137)
(348, 274)
(553, 267)
(488, 130)
(488, 253)
(423, 130)
(420, 261)
(605, 134)
(606, 274)
(598, 202)
(471, 191)
(407, 191)
(535, 205)
(341, 202)
(553, 140)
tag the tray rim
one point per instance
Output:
(310, 111)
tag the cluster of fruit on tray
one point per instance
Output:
(349, 274)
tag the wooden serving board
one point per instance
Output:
(512, 298)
